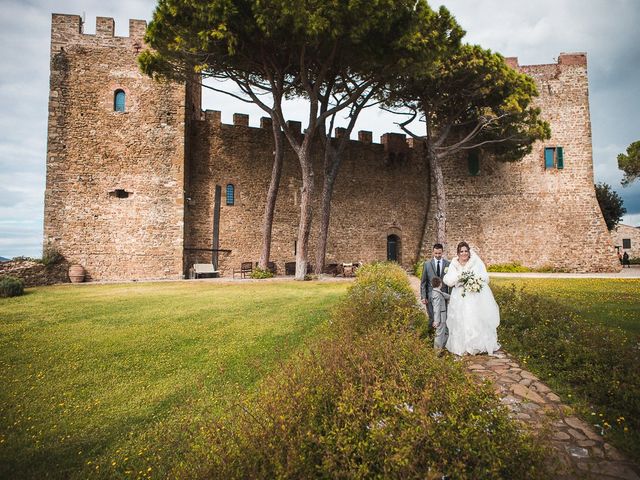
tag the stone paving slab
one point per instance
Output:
(579, 451)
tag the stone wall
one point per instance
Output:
(34, 273)
(523, 212)
(114, 193)
(378, 193)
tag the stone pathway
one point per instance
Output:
(580, 451)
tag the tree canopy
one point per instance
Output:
(630, 163)
(332, 53)
(611, 205)
(474, 100)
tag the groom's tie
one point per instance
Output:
(438, 268)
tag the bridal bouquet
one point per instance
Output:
(470, 282)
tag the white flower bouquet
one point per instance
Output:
(470, 282)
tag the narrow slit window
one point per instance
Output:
(119, 101)
(231, 195)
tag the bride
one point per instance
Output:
(473, 316)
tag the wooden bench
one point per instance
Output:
(203, 269)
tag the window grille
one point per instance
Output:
(231, 192)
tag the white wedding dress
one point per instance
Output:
(473, 319)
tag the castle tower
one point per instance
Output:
(114, 199)
(541, 211)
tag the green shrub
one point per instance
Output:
(634, 261)
(11, 286)
(258, 273)
(371, 402)
(380, 297)
(508, 267)
(418, 268)
(383, 274)
(51, 256)
(22, 258)
(593, 365)
(380, 405)
(517, 267)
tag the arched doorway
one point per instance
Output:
(393, 248)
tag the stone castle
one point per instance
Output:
(141, 183)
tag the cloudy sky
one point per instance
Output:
(535, 31)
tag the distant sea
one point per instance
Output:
(2, 259)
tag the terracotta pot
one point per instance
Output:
(76, 273)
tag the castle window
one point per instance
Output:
(118, 101)
(119, 193)
(626, 243)
(473, 163)
(231, 192)
(554, 157)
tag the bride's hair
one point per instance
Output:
(463, 244)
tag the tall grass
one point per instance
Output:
(370, 399)
(593, 366)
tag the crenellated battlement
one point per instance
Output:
(69, 30)
(567, 62)
(397, 142)
(564, 59)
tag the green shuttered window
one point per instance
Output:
(559, 158)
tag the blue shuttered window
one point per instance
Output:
(231, 192)
(119, 101)
(548, 157)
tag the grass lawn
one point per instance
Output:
(117, 380)
(613, 302)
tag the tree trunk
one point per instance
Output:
(332, 158)
(425, 219)
(441, 199)
(306, 199)
(272, 195)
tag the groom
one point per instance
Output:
(432, 268)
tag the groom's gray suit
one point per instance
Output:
(428, 272)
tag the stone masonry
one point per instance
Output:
(130, 195)
(114, 192)
(528, 213)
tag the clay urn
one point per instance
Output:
(76, 273)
